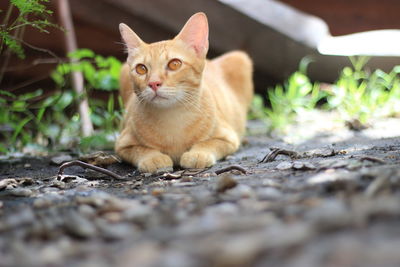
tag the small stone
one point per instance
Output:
(114, 231)
(187, 179)
(27, 165)
(20, 192)
(298, 165)
(100, 158)
(330, 214)
(157, 191)
(321, 152)
(112, 217)
(268, 193)
(271, 183)
(78, 225)
(225, 182)
(147, 174)
(8, 183)
(241, 191)
(59, 184)
(184, 184)
(286, 165)
(86, 210)
(137, 213)
(42, 202)
(58, 160)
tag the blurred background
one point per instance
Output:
(281, 37)
(96, 28)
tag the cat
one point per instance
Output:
(181, 109)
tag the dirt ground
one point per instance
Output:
(323, 196)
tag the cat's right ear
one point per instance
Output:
(130, 38)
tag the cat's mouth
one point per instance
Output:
(157, 96)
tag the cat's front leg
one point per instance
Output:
(205, 154)
(146, 159)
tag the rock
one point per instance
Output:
(158, 191)
(298, 165)
(114, 231)
(330, 214)
(43, 202)
(241, 191)
(100, 158)
(19, 218)
(285, 165)
(20, 192)
(321, 152)
(225, 182)
(86, 210)
(268, 193)
(270, 183)
(8, 184)
(77, 225)
(58, 160)
(137, 213)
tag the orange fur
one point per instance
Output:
(198, 114)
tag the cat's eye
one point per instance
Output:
(141, 69)
(174, 64)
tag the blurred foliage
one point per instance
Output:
(357, 95)
(287, 101)
(31, 120)
(31, 13)
(361, 95)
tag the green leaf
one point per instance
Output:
(81, 53)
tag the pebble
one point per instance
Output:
(285, 165)
(225, 182)
(114, 231)
(137, 213)
(298, 165)
(330, 214)
(20, 192)
(268, 193)
(58, 160)
(241, 191)
(43, 202)
(158, 191)
(8, 183)
(78, 225)
(86, 210)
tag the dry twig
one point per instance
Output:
(373, 159)
(87, 166)
(230, 168)
(278, 151)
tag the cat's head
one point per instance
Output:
(168, 73)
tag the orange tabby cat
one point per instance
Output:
(182, 109)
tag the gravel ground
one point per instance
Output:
(330, 197)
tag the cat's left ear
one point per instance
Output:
(195, 33)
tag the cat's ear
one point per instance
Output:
(195, 33)
(130, 38)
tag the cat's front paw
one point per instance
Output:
(156, 163)
(197, 160)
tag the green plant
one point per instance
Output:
(360, 95)
(32, 119)
(30, 13)
(25, 119)
(297, 95)
(100, 74)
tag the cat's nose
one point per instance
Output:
(155, 85)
